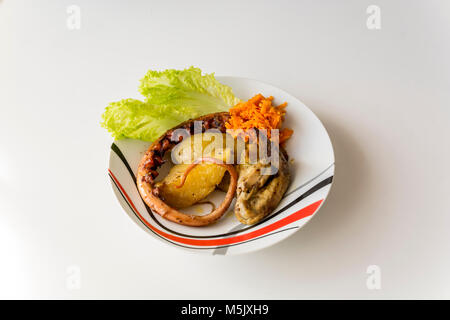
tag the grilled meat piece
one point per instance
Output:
(258, 195)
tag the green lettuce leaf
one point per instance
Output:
(171, 97)
(130, 118)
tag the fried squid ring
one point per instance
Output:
(153, 159)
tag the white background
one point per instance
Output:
(383, 95)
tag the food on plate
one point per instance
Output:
(226, 144)
(204, 178)
(157, 205)
(257, 194)
(207, 144)
(201, 181)
(170, 97)
(153, 159)
(258, 113)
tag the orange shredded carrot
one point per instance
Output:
(258, 113)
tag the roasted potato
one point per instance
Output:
(208, 144)
(200, 182)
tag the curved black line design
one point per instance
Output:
(119, 153)
(180, 245)
(313, 189)
(307, 182)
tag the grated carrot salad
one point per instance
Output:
(259, 113)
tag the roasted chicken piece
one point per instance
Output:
(257, 194)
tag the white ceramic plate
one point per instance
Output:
(312, 168)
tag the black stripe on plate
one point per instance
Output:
(180, 245)
(309, 192)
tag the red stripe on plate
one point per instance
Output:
(302, 213)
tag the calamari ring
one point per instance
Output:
(153, 159)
